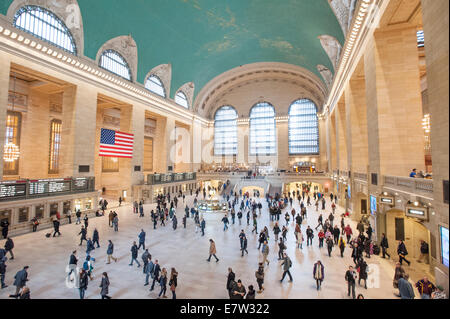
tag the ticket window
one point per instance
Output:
(39, 211)
(24, 215)
(53, 209)
(87, 204)
(5, 215)
(67, 205)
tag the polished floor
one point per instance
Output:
(187, 252)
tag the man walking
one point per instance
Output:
(350, 276)
(287, 264)
(134, 255)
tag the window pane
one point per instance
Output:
(303, 128)
(115, 63)
(55, 146)
(181, 99)
(13, 126)
(155, 85)
(148, 154)
(225, 131)
(110, 164)
(46, 26)
(262, 130)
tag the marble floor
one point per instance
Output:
(187, 252)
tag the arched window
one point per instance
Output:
(155, 85)
(303, 128)
(46, 26)
(225, 131)
(262, 130)
(112, 61)
(181, 99)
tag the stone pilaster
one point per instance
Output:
(5, 64)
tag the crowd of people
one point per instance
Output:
(331, 234)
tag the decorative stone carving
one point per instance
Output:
(66, 10)
(332, 47)
(343, 9)
(126, 46)
(164, 73)
(188, 89)
(326, 74)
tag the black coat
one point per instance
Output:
(9, 244)
(230, 279)
(134, 251)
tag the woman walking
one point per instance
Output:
(212, 251)
(163, 283)
(259, 274)
(173, 282)
(105, 286)
(318, 274)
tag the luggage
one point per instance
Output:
(48, 235)
(376, 250)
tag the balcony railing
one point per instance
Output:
(410, 184)
(360, 176)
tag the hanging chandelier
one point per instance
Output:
(11, 151)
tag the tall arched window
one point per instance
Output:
(155, 85)
(225, 131)
(114, 62)
(46, 26)
(262, 130)
(181, 99)
(303, 128)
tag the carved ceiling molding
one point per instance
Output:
(164, 73)
(332, 47)
(344, 10)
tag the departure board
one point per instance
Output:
(79, 184)
(12, 189)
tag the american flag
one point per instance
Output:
(116, 144)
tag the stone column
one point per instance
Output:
(435, 26)
(196, 145)
(282, 129)
(78, 130)
(137, 128)
(323, 159)
(342, 135)
(5, 65)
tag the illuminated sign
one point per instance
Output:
(444, 245)
(387, 200)
(373, 204)
(417, 212)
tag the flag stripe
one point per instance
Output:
(116, 144)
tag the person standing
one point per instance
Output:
(225, 222)
(134, 254)
(9, 245)
(424, 250)
(402, 253)
(336, 234)
(5, 228)
(104, 285)
(202, 226)
(384, 246)
(350, 276)
(362, 269)
(35, 223)
(120, 201)
(141, 237)
(309, 236)
(110, 218)
(259, 274)
(110, 252)
(173, 282)
(251, 293)
(238, 291)
(287, 264)
(265, 253)
(86, 221)
(116, 223)
(276, 231)
(212, 251)
(83, 283)
(230, 281)
(78, 215)
(21, 278)
(330, 245)
(244, 245)
(318, 274)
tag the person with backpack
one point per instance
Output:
(110, 252)
(259, 274)
(134, 255)
(9, 245)
(318, 274)
(156, 272)
(287, 264)
(104, 285)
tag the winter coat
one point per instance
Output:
(287, 263)
(9, 244)
(134, 251)
(363, 270)
(83, 281)
(110, 249)
(316, 271)
(142, 237)
(21, 278)
(105, 286)
(212, 249)
(405, 289)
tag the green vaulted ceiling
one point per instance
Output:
(204, 38)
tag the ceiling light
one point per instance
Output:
(13, 35)
(20, 38)
(44, 49)
(27, 41)
(7, 32)
(1, 29)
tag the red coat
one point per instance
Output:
(348, 231)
